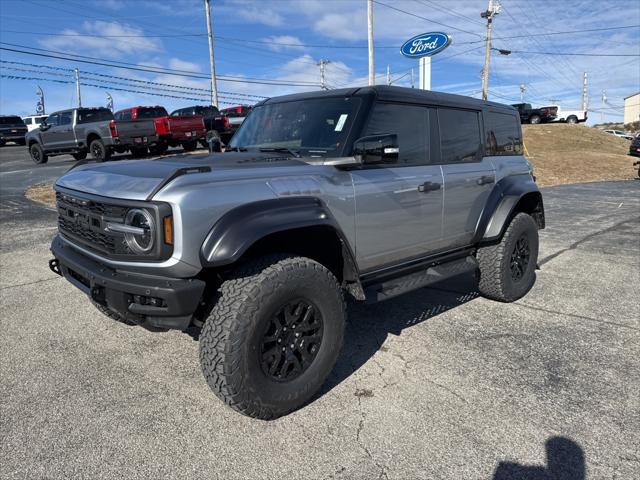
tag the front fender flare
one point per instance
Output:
(237, 230)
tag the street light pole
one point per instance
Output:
(212, 65)
(372, 74)
(492, 10)
(77, 72)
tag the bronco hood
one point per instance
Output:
(138, 179)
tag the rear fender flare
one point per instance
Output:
(502, 201)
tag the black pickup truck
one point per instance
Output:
(215, 123)
(12, 129)
(528, 114)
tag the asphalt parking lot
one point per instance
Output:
(436, 384)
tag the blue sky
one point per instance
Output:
(137, 32)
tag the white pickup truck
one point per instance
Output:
(569, 116)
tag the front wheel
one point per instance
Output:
(507, 269)
(189, 145)
(37, 154)
(99, 151)
(159, 148)
(534, 120)
(79, 155)
(273, 336)
(572, 120)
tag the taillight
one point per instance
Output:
(226, 122)
(113, 128)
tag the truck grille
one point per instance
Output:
(84, 221)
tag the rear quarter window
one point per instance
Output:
(460, 139)
(503, 135)
(94, 115)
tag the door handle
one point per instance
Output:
(485, 179)
(428, 187)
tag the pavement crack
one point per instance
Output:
(447, 389)
(575, 315)
(584, 239)
(30, 283)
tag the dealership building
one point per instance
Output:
(632, 108)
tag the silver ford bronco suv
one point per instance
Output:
(372, 191)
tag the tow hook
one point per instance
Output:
(54, 265)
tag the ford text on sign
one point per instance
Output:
(425, 44)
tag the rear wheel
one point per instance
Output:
(99, 151)
(37, 154)
(507, 269)
(158, 148)
(79, 155)
(572, 120)
(273, 336)
(190, 145)
(534, 119)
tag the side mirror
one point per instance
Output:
(377, 149)
(44, 126)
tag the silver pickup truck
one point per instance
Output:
(79, 131)
(372, 192)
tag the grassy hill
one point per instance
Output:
(564, 153)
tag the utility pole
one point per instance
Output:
(523, 87)
(604, 102)
(412, 81)
(388, 76)
(40, 105)
(492, 10)
(109, 101)
(323, 62)
(212, 65)
(584, 91)
(78, 87)
(372, 71)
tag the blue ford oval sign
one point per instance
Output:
(426, 44)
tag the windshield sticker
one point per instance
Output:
(341, 120)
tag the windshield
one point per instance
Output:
(11, 121)
(152, 112)
(315, 127)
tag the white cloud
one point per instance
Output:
(283, 42)
(122, 40)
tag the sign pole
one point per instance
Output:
(425, 73)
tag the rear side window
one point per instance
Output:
(39, 120)
(460, 139)
(126, 115)
(27, 121)
(502, 134)
(94, 115)
(409, 123)
(153, 112)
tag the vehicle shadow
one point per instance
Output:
(368, 326)
(565, 461)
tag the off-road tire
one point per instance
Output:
(37, 154)
(112, 315)
(572, 119)
(496, 281)
(535, 120)
(190, 145)
(233, 335)
(99, 150)
(79, 155)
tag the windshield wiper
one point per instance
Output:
(281, 150)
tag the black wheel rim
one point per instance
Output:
(35, 154)
(291, 341)
(96, 151)
(520, 258)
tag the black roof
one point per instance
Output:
(396, 94)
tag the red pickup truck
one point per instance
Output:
(172, 131)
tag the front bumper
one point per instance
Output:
(128, 293)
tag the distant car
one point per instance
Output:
(216, 124)
(33, 121)
(528, 114)
(568, 116)
(619, 133)
(236, 116)
(12, 129)
(634, 148)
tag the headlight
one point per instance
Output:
(140, 238)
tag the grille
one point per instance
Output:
(84, 221)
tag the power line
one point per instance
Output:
(224, 78)
(427, 19)
(580, 54)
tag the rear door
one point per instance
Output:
(399, 206)
(468, 175)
